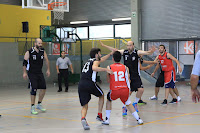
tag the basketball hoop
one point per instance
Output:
(58, 10)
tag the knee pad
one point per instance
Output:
(33, 92)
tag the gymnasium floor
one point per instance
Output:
(63, 113)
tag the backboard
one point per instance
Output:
(43, 4)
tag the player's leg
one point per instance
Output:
(177, 94)
(84, 97)
(97, 91)
(66, 74)
(42, 87)
(60, 81)
(108, 111)
(33, 90)
(174, 100)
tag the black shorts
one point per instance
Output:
(136, 83)
(86, 88)
(160, 81)
(36, 81)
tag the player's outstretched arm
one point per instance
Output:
(151, 51)
(95, 67)
(106, 57)
(108, 75)
(143, 68)
(156, 68)
(111, 48)
(174, 59)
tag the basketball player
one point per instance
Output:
(160, 83)
(194, 79)
(166, 63)
(87, 84)
(119, 88)
(131, 60)
(33, 63)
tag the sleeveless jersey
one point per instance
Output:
(119, 78)
(87, 72)
(166, 64)
(132, 62)
(35, 61)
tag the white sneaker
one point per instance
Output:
(179, 99)
(85, 124)
(153, 98)
(140, 122)
(106, 122)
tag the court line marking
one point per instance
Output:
(177, 124)
(152, 122)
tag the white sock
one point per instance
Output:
(135, 114)
(124, 105)
(108, 113)
(136, 100)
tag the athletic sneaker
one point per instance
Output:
(124, 111)
(164, 102)
(140, 102)
(85, 124)
(33, 110)
(136, 107)
(99, 118)
(153, 98)
(174, 100)
(179, 99)
(39, 106)
(140, 121)
(0, 115)
(106, 122)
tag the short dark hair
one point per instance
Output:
(94, 51)
(117, 56)
(162, 46)
(62, 51)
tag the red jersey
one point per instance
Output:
(166, 64)
(119, 78)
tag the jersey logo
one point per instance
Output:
(126, 57)
(133, 58)
(42, 57)
(162, 61)
(34, 57)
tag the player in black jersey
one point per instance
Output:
(87, 84)
(32, 69)
(131, 60)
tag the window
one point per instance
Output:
(101, 31)
(123, 30)
(82, 32)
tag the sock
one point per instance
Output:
(100, 115)
(136, 100)
(108, 114)
(135, 114)
(32, 105)
(178, 97)
(124, 105)
(82, 118)
(39, 102)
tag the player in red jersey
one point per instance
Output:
(119, 88)
(166, 63)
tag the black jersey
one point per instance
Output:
(87, 72)
(132, 62)
(35, 61)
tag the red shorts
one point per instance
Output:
(170, 78)
(123, 94)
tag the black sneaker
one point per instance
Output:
(0, 115)
(59, 90)
(140, 102)
(164, 102)
(174, 100)
(66, 90)
(99, 118)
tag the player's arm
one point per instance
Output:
(143, 68)
(174, 59)
(157, 67)
(128, 74)
(150, 62)
(151, 51)
(25, 62)
(111, 48)
(108, 75)
(95, 67)
(106, 57)
(47, 64)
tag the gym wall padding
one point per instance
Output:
(11, 19)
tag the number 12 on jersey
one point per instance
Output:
(119, 76)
